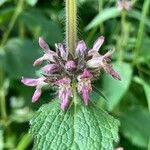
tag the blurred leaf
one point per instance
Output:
(114, 90)
(5, 14)
(19, 57)
(32, 2)
(2, 2)
(146, 87)
(104, 15)
(42, 26)
(1, 138)
(135, 125)
(79, 127)
(137, 15)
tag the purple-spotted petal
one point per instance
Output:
(36, 95)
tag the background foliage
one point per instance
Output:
(23, 21)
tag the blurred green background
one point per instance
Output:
(23, 21)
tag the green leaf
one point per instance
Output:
(135, 125)
(40, 25)
(104, 15)
(137, 15)
(80, 127)
(19, 57)
(146, 88)
(32, 2)
(114, 90)
(2, 2)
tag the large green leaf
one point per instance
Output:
(19, 57)
(137, 15)
(40, 25)
(114, 90)
(80, 127)
(32, 2)
(104, 15)
(135, 125)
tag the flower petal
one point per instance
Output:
(108, 68)
(81, 48)
(94, 62)
(50, 68)
(44, 45)
(30, 81)
(70, 65)
(36, 94)
(98, 43)
(85, 95)
(61, 51)
(86, 74)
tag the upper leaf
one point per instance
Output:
(116, 90)
(78, 128)
(135, 123)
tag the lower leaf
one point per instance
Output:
(79, 127)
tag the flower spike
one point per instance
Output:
(62, 69)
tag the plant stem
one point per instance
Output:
(3, 104)
(2, 97)
(12, 22)
(145, 10)
(100, 3)
(71, 26)
(122, 39)
(24, 142)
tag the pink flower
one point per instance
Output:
(124, 5)
(97, 45)
(61, 51)
(38, 83)
(65, 92)
(50, 68)
(62, 68)
(81, 48)
(101, 61)
(84, 85)
(70, 65)
(49, 54)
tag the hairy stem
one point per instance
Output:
(71, 25)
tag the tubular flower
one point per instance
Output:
(62, 69)
(84, 85)
(65, 92)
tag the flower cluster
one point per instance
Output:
(124, 5)
(62, 69)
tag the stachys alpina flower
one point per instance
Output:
(62, 69)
